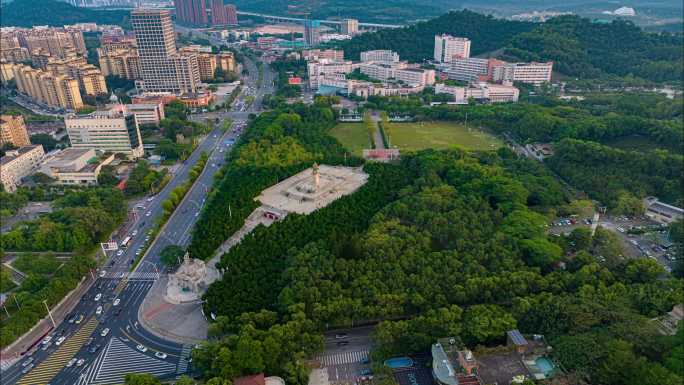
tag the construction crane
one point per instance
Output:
(303, 9)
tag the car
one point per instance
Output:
(134, 233)
(116, 302)
(99, 310)
(160, 355)
(117, 312)
(141, 348)
(46, 346)
(137, 252)
(140, 207)
(72, 319)
(147, 238)
(342, 343)
(197, 214)
(104, 332)
(60, 340)
(90, 341)
(340, 336)
(148, 213)
(365, 361)
(47, 339)
(80, 362)
(79, 319)
(119, 253)
(122, 274)
(70, 363)
(102, 273)
(98, 296)
(27, 362)
(94, 348)
(366, 372)
(150, 199)
(27, 369)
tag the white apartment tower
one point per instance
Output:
(162, 68)
(448, 48)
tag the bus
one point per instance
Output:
(125, 242)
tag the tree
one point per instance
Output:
(107, 176)
(46, 140)
(486, 323)
(172, 255)
(628, 204)
(141, 379)
(185, 380)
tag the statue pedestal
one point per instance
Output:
(190, 281)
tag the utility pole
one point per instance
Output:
(54, 325)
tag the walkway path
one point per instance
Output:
(377, 136)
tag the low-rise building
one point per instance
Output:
(76, 166)
(662, 212)
(399, 72)
(13, 131)
(319, 54)
(319, 68)
(114, 130)
(380, 56)
(16, 164)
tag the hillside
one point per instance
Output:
(586, 49)
(579, 47)
(27, 13)
(415, 43)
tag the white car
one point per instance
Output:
(47, 339)
(150, 199)
(60, 340)
(148, 213)
(98, 296)
(70, 363)
(116, 302)
(142, 348)
(102, 273)
(105, 332)
(99, 310)
(160, 355)
(81, 361)
(119, 253)
(134, 233)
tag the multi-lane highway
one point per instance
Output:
(101, 340)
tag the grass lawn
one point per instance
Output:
(440, 135)
(353, 136)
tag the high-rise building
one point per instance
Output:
(13, 131)
(226, 61)
(449, 48)
(191, 11)
(531, 73)
(45, 87)
(206, 61)
(467, 70)
(6, 73)
(162, 68)
(123, 62)
(219, 16)
(115, 130)
(350, 27)
(231, 13)
(312, 32)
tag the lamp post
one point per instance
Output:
(54, 325)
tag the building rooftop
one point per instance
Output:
(516, 337)
(656, 205)
(14, 154)
(442, 365)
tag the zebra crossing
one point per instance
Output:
(183, 362)
(46, 370)
(343, 358)
(117, 360)
(134, 276)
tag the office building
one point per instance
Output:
(163, 69)
(480, 91)
(114, 130)
(398, 72)
(448, 48)
(350, 27)
(317, 69)
(466, 70)
(75, 166)
(44, 87)
(147, 113)
(531, 73)
(318, 54)
(16, 164)
(380, 56)
(192, 12)
(312, 32)
(13, 131)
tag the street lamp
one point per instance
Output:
(54, 325)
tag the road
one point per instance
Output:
(106, 318)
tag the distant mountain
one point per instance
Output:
(27, 13)
(415, 43)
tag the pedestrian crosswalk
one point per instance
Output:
(134, 276)
(183, 362)
(343, 358)
(119, 359)
(46, 370)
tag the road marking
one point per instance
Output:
(342, 358)
(50, 367)
(140, 343)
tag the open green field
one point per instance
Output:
(353, 136)
(440, 135)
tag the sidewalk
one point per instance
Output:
(183, 323)
(59, 312)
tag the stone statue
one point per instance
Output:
(317, 176)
